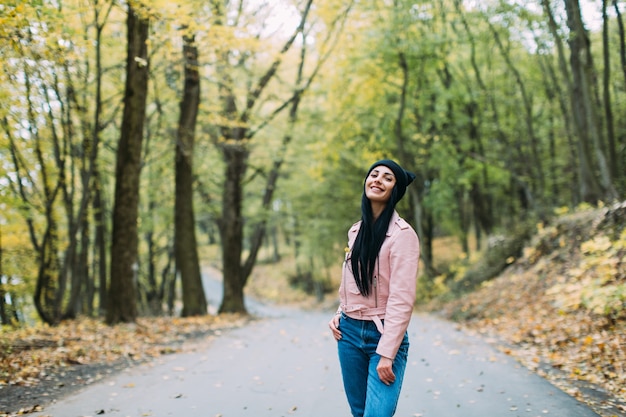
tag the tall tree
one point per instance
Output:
(48, 291)
(622, 37)
(532, 162)
(185, 245)
(420, 217)
(612, 151)
(100, 17)
(589, 187)
(585, 106)
(238, 128)
(4, 317)
(122, 302)
(233, 141)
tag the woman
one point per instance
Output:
(376, 294)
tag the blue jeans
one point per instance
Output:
(367, 395)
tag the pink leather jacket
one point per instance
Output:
(395, 280)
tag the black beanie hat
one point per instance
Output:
(403, 177)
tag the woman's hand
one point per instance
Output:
(385, 370)
(334, 326)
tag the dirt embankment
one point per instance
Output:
(561, 308)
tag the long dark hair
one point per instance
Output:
(368, 241)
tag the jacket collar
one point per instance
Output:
(395, 219)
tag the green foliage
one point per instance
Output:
(458, 120)
(465, 274)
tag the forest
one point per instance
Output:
(142, 140)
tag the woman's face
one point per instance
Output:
(379, 184)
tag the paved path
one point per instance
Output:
(286, 365)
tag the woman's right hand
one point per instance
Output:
(334, 326)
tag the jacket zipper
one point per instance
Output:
(376, 290)
(376, 282)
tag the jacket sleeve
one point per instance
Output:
(403, 262)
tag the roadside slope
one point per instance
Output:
(561, 308)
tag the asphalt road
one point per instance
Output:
(286, 365)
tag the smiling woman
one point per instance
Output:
(378, 186)
(377, 294)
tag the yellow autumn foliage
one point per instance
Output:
(563, 303)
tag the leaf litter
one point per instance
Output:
(560, 309)
(41, 363)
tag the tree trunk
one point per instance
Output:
(85, 280)
(89, 273)
(612, 152)
(584, 109)
(485, 213)
(168, 281)
(555, 93)
(61, 144)
(418, 211)
(531, 163)
(272, 180)
(481, 201)
(152, 296)
(563, 96)
(122, 302)
(42, 286)
(274, 245)
(231, 228)
(622, 37)
(234, 147)
(621, 138)
(100, 251)
(46, 288)
(100, 230)
(75, 266)
(49, 289)
(185, 244)
(4, 317)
